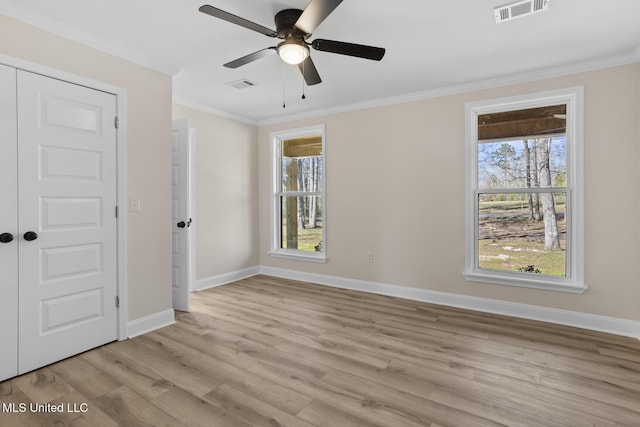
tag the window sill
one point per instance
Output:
(300, 256)
(540, 282)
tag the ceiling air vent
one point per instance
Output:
(242, 84)
(520, 9)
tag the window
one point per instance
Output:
(298, 201)
(524, 191)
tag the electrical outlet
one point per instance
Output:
(370, 257)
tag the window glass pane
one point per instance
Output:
(302, 174)
(523, 232)
(526, 163)
(302, 223)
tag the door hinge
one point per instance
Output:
(117, 301)
(116, 122)
(116, 211)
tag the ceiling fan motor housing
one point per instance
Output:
(285, 24)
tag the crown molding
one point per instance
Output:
(207, 109)
(53, 26)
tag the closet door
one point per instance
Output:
(8, 225)
(67, 199)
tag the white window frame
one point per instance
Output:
(276, 139)
(573, 97)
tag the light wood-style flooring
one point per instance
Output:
(273, 352)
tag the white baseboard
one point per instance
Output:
(223, 279)
(612, 325)
(150, 323)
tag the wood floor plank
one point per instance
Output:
(127, 371)
(85, 377)
(549, 403)
(455, 359)
(130, 409)
(211, 345)
(73, 413)
(426, 410)
(193, 411)
(376, 345)
(351, 402)
(216, 371)
(15, 401)
(322, 415)
(475, 405)
(615, 352)
(265, 351)
(252, 410)
(236, 339)
(169, 366)
(42, 385)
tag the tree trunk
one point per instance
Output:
(313, 186)
(291, 208)
(527, 152)
(301, 200)
(551, 237)
(536, 182)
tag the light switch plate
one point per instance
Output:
(134, 204)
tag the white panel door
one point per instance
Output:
(67, 231)
(8, 225)
(180, 215)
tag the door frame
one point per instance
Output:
(192, 209)
(121, 167)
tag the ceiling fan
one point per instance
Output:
(294, 27)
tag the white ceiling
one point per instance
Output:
(430, 46)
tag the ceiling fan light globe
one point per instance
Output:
(292, 52)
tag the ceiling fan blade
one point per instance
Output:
(250, 58)
(229, 17)
(351, 49)
(316, 12)
(309, 72)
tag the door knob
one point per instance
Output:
(6, 237)
(30, 235)
(181, 224)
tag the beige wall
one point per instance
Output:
(226, 163)
(395, 186)
(148, 151)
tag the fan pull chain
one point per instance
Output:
(284, 86)
(303, 97)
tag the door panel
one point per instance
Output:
(69, 113)
(70, 164)
(8, 224)
(69, 262)
(71, 309)
(180, 213)
(61, 212)
(67, 167)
